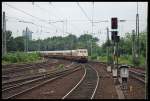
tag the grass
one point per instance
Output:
(124, 60)
(61, 66)
(103, 58)
(20, 57)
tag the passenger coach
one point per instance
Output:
(80, 55)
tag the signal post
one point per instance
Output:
(115, 39)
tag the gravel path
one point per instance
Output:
(136, 89)
(106, 88)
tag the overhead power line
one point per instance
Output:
(43, 9)
(32, 16)
(19, 18)
(53, 13)
(83, 11)
(24, 12)
(53, 21)
(29, 22)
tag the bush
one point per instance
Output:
(10, 57)
(139, 61)
(103, 59)
(110, 59)
(21, 57)
(61, 66)
(142, 60)
(94, 57)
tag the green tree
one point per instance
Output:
(19, 43)
(11, 44)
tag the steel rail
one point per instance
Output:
(82, 81)
(46, 81)
(37, 74)
(137, 73)
(96, 84)
(76, 84)
(51, 73)
(138, 78)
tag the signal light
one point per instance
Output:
(113, 34)
(114, 23)
(117, 38)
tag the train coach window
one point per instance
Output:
(84, 51)
(81, 51)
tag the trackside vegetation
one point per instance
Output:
(71, 42)
(20, 57)
(125, 60)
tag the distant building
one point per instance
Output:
(29, 33)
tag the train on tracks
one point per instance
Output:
(79, 55)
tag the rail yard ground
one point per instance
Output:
(50, 52)
(63, 79)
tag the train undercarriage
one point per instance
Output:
(72, 58)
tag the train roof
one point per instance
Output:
(60, 51)
(64, 51)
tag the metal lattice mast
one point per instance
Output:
(137, 32)
(146, 76)
(146, 79)
(92, 27)
(26, 40)
(107, 45)
(27, 35)
(4, 47)
(3, 35)
(39, 39)
(133, 45)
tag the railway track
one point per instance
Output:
(29, 70)
(24, 87)
(12, 82)
(86, 87)
(137, 75)
(21, 67)
(136, 88)
(9, 67)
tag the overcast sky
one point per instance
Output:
(74, 20)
